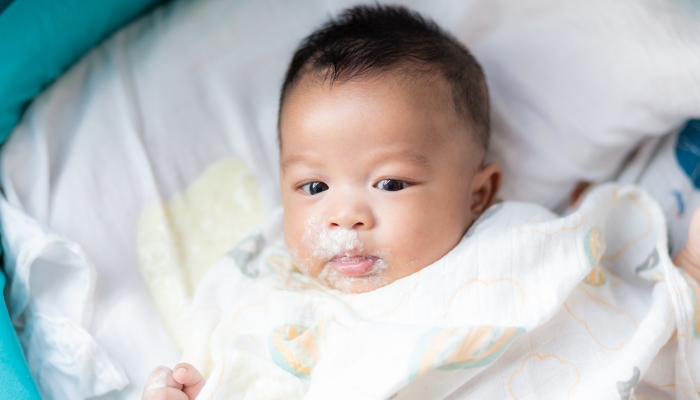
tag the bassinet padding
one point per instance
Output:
(15, 380)
(40, 39)
(4, 4)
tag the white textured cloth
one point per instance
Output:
(527, 305)
(53, 324)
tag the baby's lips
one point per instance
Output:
(353, 265)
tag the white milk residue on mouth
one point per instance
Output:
(375, 279)
(328, 243)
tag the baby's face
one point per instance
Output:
(379, 177)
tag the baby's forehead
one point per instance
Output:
(392, 119)
(423, 95)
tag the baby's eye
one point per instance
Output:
(314, 188)
(391, 185)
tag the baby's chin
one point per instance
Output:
(353, 284)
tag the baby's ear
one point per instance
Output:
(485, 185)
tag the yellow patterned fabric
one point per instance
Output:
(528, 305)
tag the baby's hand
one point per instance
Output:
(182, 384)
(688, 257)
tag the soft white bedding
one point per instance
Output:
(527, 305)
(575, 87)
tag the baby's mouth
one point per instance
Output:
(353, 265)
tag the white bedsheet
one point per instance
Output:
(139, 118)
(52, 324)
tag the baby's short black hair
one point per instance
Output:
(366, 40)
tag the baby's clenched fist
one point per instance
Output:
(183, 382)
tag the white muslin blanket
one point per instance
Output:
(527, 305)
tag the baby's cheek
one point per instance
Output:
(418, 242)
(300, 254)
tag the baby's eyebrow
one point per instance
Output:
(415, 158)
(406, 155)
(294, 159)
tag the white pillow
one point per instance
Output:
(577, 85)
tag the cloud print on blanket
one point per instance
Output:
(527, 305)
(563, 376)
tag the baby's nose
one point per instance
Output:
(356, 225)
(355, 215)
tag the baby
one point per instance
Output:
(383, 129)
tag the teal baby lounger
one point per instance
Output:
(39, 40)
(15, 380)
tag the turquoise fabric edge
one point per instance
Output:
(4, 4)
(40, 39)
(15, 380)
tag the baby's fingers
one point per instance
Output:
(190, 378)
(164, 393)
(161, 386)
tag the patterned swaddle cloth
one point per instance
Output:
(527, 305)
